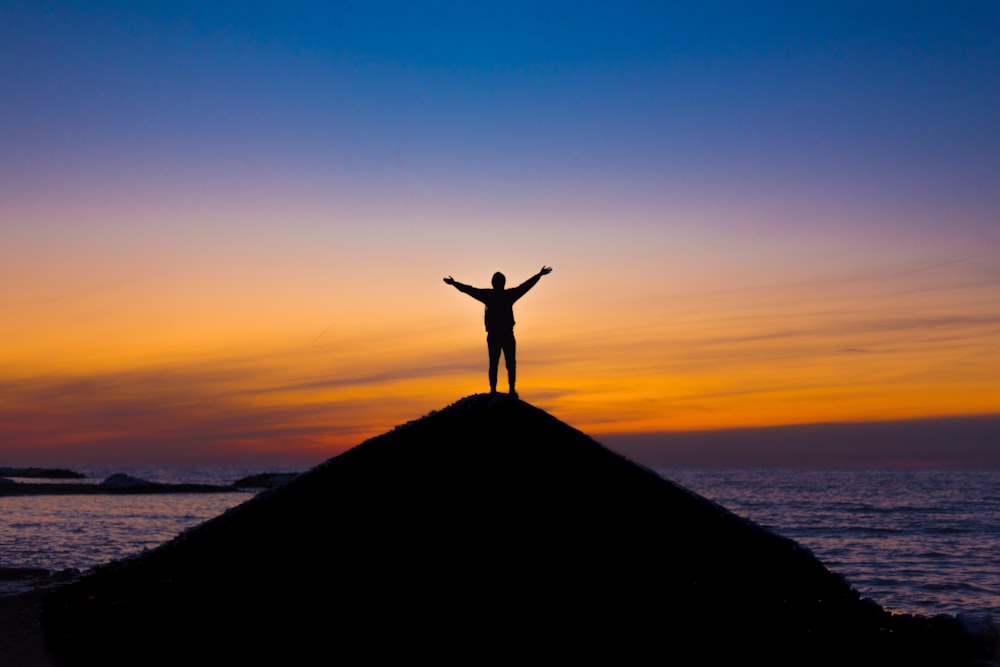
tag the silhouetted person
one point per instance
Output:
(499, 320)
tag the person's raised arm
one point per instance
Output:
(457, 285)
(521, 289)
(474, 292)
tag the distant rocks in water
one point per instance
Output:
(486, 531)
(40, 473)
(121, 479)
(265, 480)
(10, 486)
(118, 483)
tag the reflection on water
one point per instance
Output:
(917, 541)
(57, 532)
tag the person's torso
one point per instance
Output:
(499, 311)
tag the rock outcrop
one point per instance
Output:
(116, 484)
(40, 473)
(486, 532)
(264, 480)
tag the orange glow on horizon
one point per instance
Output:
(229, 356)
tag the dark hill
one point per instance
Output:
(487, 530)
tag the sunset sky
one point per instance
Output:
(224, 225)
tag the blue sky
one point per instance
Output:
(759, 213)
(840, 98)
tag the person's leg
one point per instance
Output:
(510, 359)
(493, 345)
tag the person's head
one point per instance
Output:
(499, 280)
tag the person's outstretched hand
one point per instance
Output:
(451, 281)
(546, 270)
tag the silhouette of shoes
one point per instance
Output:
(513, 394)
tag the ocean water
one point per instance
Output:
(914, 541)
(60, 532)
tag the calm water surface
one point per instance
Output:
(59, 532)
(916, 541)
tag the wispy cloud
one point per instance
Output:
(210, 410)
